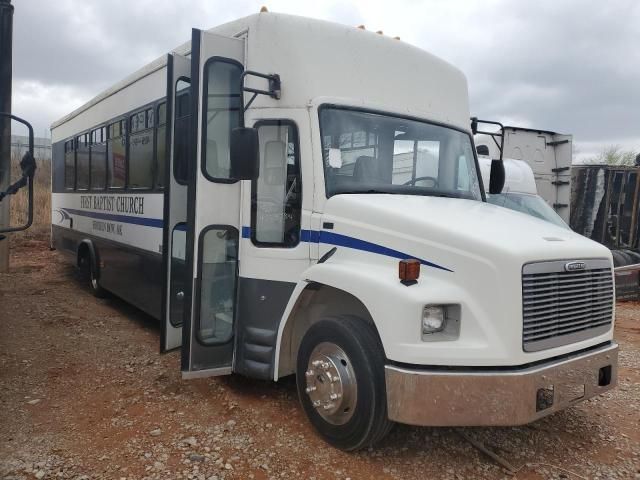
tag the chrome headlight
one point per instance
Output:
(433, 319)
(440, 322)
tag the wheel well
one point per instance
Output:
(316, 301)
(84, 253)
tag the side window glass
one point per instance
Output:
(98, 160)
(140, 153)
(182, 122)
(222, 114)
(116, 156)
(277, 193)
(82, 163)
(69, 165)
(161, 144)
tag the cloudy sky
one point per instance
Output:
(571, 66)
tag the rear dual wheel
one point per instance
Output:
(89, 270)
(340, 378)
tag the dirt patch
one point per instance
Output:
(84, 393)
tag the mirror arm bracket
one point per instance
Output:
(474, 128)
(274, 91)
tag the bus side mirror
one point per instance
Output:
(245, 153)
(497, 177)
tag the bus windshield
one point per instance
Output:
(367, 152)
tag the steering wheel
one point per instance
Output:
(418, 179)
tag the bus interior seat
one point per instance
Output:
(367, 170)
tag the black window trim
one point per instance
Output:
(203, 120)
(253, 220)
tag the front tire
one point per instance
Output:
(340, 379)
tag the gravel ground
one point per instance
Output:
(85, 394)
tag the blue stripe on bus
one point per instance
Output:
(331, 238)
(144, 221)
(308, 236)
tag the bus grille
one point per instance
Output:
(562, 306)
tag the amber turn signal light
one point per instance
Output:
(409, 271)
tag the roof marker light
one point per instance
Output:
(396, 38)
(361, 27)
(379, 32)
(264, 9)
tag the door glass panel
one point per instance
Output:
(218, 272)
(181, 145)
(178, 274)
(222, 93)
(277, 193)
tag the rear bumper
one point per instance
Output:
(490, 397)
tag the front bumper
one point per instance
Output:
(498, 397)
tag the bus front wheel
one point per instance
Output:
(340, 379)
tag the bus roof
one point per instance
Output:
(320, 59)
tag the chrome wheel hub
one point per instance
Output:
(331, 383)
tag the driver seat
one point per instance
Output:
(367, 170)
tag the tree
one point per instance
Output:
(615, 155)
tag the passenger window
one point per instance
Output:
(276, 196)
(116, 155)
(181, 137)
(69, 165)
(98, 160)
(140, 153)
(222, 91)
(218, 260)
(82, 163)
(161, 144)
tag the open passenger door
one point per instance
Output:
(178, 145)
(213, 207)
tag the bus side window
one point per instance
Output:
(161, 143)
(82, 163)
(98, 159)
(276, 196)
(141, 151)
(116, 155)
(69, 165)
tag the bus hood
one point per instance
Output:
(449, 232)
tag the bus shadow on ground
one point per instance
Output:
(121, 306)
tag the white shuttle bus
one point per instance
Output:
(292, 196)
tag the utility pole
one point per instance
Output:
(6, 47)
